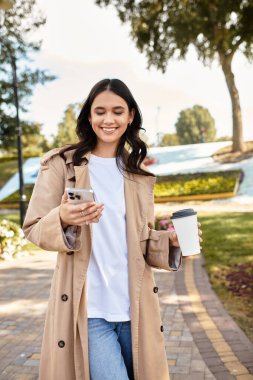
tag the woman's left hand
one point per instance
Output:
(174, 239)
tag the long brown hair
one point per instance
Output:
(88, 139)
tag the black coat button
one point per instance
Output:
(70, 253)
(61, 343)
(64, 297)
(161, 328)
(155, 290)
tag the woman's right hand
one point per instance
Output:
(79, 214)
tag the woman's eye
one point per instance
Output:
(100, 113)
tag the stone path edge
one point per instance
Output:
(245, 351)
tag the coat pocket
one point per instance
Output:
(159, 252)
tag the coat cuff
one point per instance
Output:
(56, 239)
(160, 254)
(71, 237)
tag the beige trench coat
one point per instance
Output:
(64, 353)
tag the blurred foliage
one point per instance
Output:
(169, 139)
(18, 43)
(165, 29)
(196, 183)
(195, 125)
(162, 221)
(12, 240)
(66, 133)
(34, 142)
(13, 217)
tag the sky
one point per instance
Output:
(83, 44)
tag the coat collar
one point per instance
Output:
(69, 156)
(133, 178)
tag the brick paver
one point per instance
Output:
(24, 290)
(202, 341)
(184, 359)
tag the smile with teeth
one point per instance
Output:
(108, 130)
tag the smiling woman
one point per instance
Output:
(103, 287)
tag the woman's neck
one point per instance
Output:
(104, 151)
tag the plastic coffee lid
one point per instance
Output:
(183, 213)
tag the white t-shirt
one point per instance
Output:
(107, 276)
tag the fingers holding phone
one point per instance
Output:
(78, 207)
(90, 212)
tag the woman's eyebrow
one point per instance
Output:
(116, 107)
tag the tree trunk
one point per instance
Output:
(226, 62)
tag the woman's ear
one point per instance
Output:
(132, 113)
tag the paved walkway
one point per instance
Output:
(202, 341)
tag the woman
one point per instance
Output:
(103, 320)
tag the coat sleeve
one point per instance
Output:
(160, 253)
(42, 225)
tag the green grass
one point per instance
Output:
(227, 242)
(7, 169)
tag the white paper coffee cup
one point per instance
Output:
(186, 226)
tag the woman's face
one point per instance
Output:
(109, 118)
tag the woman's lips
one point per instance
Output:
(108, 130)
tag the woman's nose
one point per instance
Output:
(108, 118)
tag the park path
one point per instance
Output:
(202, 341)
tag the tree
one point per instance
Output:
(164, 29)
(33, 141)
(169, 139)
(66, 128)
(195, 125)
(17, 46)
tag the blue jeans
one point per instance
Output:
(110, 350)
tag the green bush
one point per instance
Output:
(12, 240)
(196, 183)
